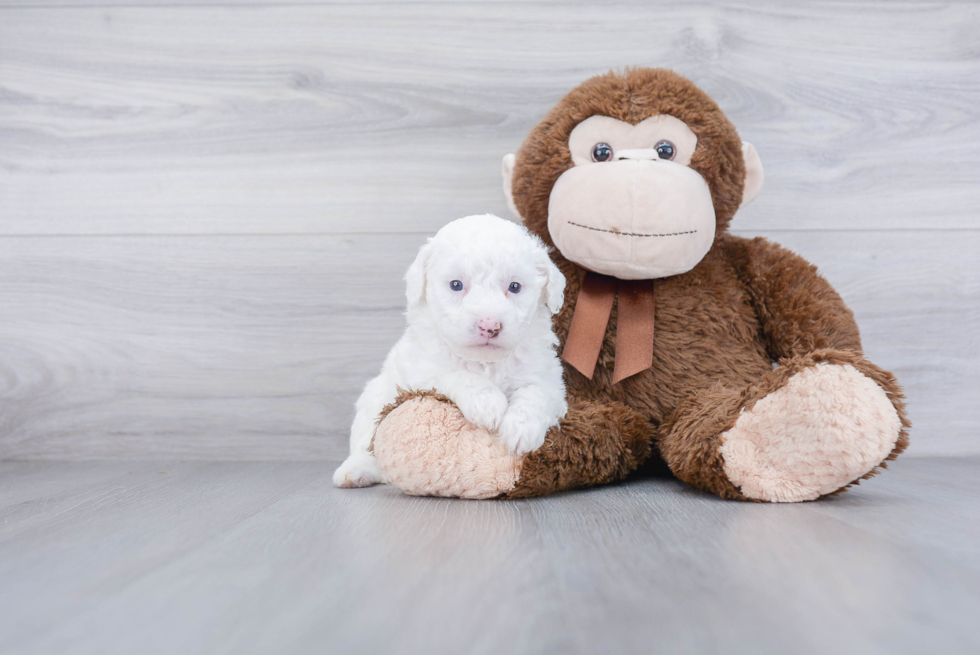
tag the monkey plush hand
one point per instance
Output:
(730, 359)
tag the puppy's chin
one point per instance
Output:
(482, 353)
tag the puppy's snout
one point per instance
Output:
(488, 327)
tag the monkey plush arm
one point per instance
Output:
(800, 312)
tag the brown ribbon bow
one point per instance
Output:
(634, 325)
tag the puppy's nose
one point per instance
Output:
(488, 327)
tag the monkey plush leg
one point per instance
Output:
(813, 426)
(425, 447)
(596, 443)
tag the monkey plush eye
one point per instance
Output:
(665, 150)
(601, 152)
(456, 285)
(514, 287)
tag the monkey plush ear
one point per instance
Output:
(415, 276)
(507, 168)
(754, 176)
(554, 287)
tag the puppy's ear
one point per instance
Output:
(415, 276)
(554, 286)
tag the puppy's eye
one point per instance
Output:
(514, 287)
(456, 285)
(665, 150)
(601, 152)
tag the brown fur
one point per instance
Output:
(719, 327)
(595, 443)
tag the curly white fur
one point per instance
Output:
(489, 349)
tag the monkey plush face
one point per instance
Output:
(632, 174)
(631, 206)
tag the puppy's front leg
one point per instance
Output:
(361, 468)
(531, 412)
(481, 401)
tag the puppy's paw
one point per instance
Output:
(520, 433)
(360, 470)
(485, 408)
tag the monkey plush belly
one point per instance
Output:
(705, 305)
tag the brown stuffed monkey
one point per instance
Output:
(729, 358)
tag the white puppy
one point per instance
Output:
(481, 294)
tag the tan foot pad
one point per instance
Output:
(828, 426)
(426, 448)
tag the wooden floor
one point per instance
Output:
(238, 557)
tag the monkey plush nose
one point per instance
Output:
(488, 327)
(637, 154)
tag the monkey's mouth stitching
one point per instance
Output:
(630, 234)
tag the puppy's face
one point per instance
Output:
(483, 280)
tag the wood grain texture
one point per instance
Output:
(219, 347)
(256, 347)
(382, 117)
(214, 557)
(206, 209)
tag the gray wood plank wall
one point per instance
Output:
(206, 209)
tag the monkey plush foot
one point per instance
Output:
(425, 447)
(828, 426)
(813, 426)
